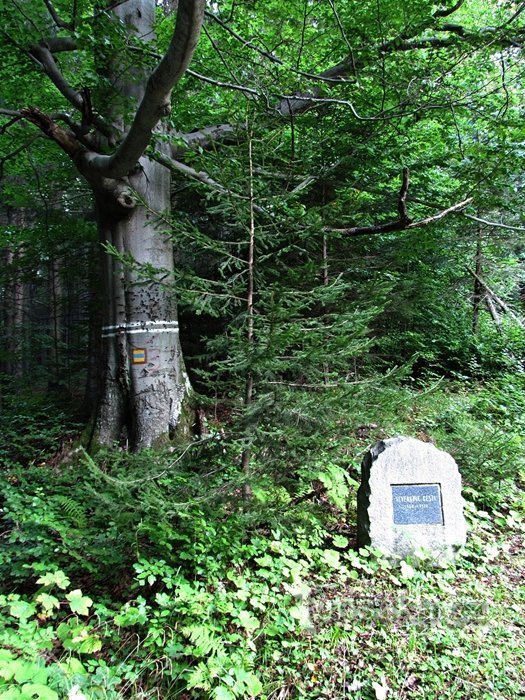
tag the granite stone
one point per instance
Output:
(410, 500)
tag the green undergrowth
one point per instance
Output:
(151, 576)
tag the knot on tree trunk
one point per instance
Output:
(165, 109)
(126, 199)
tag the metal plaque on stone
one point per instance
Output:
(417, 504)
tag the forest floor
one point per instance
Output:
(146, 577)
(455, 633)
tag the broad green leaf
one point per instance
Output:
(55, 578)
(73, 666)
(79, 603)
(332, 558)
(48, 602)
(22, 609)
(38, 691)
(248, 621)
(29, 671)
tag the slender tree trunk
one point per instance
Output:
(94, 310)
(14, 299)
(13, 316)
(55, 368)
(477, 296)
(249, 383)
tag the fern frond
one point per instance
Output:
(204, 639)
(73, 509)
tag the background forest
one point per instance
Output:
(346, 216)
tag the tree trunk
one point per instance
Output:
(56, 323)
(477, 296)
(13, 311)
(144, 380)
(13, 297)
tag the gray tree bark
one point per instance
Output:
(144, 382)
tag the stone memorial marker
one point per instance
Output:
(410, 499)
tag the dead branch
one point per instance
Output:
(64, 138)
(402, 204)
(404, 222)
(495, 224)
(492, 297)
(442, 214)
(492, 311)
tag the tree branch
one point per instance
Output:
(402, 204)
(295, 104)
(64, 138)
(199, 176)
(77, 151)
(495, 224)
(493, 312)
(442, 214)
(15, 113)
(18, 150)
(404, 222)
(55, 17)
(58, 44)
(446, 12)
(458, 35)
(493, 297)
(219, 83)
(204, 138)
(188, 171)
(43, 56)
(327, 76)
(156, 101)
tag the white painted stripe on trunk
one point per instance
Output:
(140, 330)
(139, 324)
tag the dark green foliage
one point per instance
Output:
(34, 428)
(155, 575)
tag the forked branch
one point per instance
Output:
(156, 101)
(494, 300)
(404, 222)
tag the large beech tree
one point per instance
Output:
(116, 133)
(144, 381)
